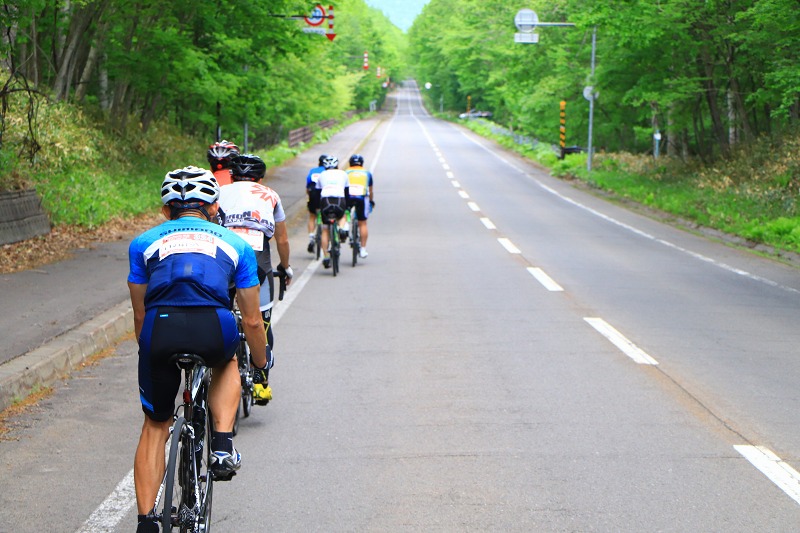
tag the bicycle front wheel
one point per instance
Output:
(334, 239)
(172, 480)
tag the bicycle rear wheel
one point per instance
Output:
(205, 479)
(318, 240)
(355, 239)
(334, 240)
(172, 481)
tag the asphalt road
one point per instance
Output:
(464, 378)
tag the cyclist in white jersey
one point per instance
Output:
(334, 193)
(255, 213)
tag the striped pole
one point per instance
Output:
(563, 128)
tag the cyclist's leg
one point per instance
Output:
(362, 214)
(225, 391)
(158, 385)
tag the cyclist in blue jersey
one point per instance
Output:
(180, 274)
(313, 201)
(361, 197)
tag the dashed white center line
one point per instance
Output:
(446, 166)
(451, 175)
(619, 340)
(488, 223)
(455, 184)
(473, 206)
(463, 194)
(772, 466)
(544, 279)
(509, 246)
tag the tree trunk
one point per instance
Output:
(86, 76)
(711, 94)
(81, 22)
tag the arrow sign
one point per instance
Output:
(330, 35)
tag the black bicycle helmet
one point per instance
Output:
(330, 161)
(248, 167)
(322, 158)
(221, 153)
(189, 187)
(356, 160)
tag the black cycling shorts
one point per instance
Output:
(332, 208)
(313, 200)
(209, 332)
(360, 203)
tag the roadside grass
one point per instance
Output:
(755, 195)
(87, 176)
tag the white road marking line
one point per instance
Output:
(784, 476)
(544, 279)
(455, 184)
(473, 206)
(509, 246)
(451, 175)
(619, 340)
(446, 166)
(488, 223)
(294, 290)
(463, 194)
(607, 218)
(441, 159)
(106, 517)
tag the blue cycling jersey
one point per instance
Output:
(191, 262)
(311, 179)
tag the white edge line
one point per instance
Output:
(509, 246)
(701, 257)
(619, 340)
(113, 509)
(544, 279)
(772, 466)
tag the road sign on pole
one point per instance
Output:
(315, 21)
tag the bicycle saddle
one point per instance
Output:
(187, 360)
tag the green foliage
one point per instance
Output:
(701, 73)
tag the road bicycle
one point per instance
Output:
(334, 244)
(246, 370)
(355, 235)
(186, 489)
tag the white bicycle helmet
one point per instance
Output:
(220, 153)
(330, 162)
(189, 185)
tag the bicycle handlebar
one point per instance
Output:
(281, 283)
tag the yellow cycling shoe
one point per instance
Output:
(261, 394)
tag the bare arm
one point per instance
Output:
(252, 324)
(282, 243)
(137, 291)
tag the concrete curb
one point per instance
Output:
(54, 360)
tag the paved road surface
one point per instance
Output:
(464, 378)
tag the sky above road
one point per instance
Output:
(400, 12)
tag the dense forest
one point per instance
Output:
(194, 64)
(708, 75)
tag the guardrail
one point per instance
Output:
(21, 216)
(306, 133)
